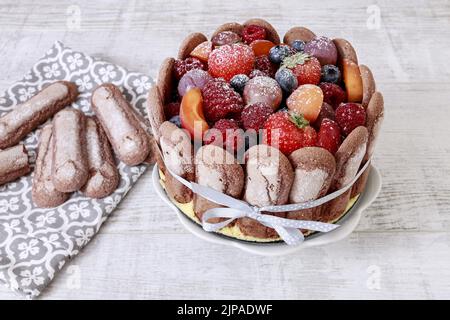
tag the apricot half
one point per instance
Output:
(191, 114)
(352, 80)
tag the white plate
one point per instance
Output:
(347, 224)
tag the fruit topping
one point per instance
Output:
(202, 51)
(227, 134)
(326, 112)
(255, 115)
(188, 64)
(352, 80)
(172, 109)
(298, 45)
(288, 132)
(286, 79)
(225, 37)
(306, 68)
(220, 101)
(333, 94)
(329, 136)
(261, 47)
(229, 60)
(278, 53)
(323, 49)
(239, 81)
(176, 121)
(307, 100)
(349, 116)
(263, 89)
(191, 114)
(253, 32)
(263, 63)
(257, 73)
(196, 78)
(330, 73)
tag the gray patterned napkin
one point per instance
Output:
(36, 243)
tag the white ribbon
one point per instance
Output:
(287, 229)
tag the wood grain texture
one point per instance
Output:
(143, 252)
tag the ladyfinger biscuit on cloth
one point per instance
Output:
(348, 160)
(230, 26)
(369, 85)
(314, 171)
(103, 174)
(26, 117)
(69, 164)
(189, 43)
(43, 191)
(269, 177)
(374, 120)
(126, 135)
(272, 34)
(178, 154)
(298, 33)
(345, 50)
(13, 163)
(218, 169)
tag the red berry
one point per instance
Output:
(306, 68)
(253, 32)
(188, 64)
(349, 116)
(329, 136)
(333, 94)
(265, 65)
(326, 112)
(255, 115)
(225, 133)
(220, 100)
(257, 73)
(231, 59)
(172, 109)
(288, 132)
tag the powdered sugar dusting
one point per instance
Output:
(353, 164)
(307, 184)
(263, 89)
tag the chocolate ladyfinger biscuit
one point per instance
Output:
(269, 178)
(178, 153)
(271, 33)
(43, 191)
(230, 26)
(13, 163)
(26, 117)
(345, 50)
(348, 160)
(298, 33)
(369, 85)
(69, 166)
(314, 171)
(218, 169)
(189, 43)
(126, 135)
(103, 174)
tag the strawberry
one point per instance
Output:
(329, 136)
(231, 59)
(252, 33)
(349, 116)
(306, 68)
(226, 132)
(288, 132)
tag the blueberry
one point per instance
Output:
(298, 45)
(330, 73)
(286, 79)
(238, 82)
(176, 121)
(278, 53)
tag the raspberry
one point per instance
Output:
(228, 133)
(172, 109)
(188, 64)
(329, 136)
(306, 68)
(349, 116)
(332, 94)
(253, 32)
(263, 63)
(231, 59)
(220, 100)
(255, 115)
(326, 112)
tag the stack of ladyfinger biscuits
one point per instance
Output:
(74, 151)
(268, 176)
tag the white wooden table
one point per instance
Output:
(401, 249)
